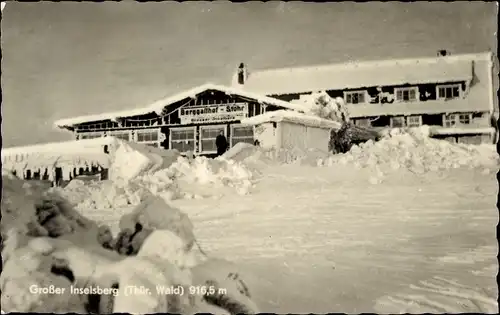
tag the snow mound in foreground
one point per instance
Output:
(415, 151)
(154, 213)
(46, 243)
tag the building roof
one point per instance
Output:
(292, 116)
(73, 146)
(158, 106)
(434, 131)
(352, 75)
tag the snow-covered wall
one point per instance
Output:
(318, 138)
(267, 135)
(293, 136)
(290, 135)
(297, 136)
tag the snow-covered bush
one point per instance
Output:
(323, 105)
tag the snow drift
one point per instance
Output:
(45, 242)
(410, 149)
(255, 158)
(130, 159)
(180, 179)
(414, 150)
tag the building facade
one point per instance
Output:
(456, 95)
(189, 121)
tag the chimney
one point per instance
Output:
(442, 53)
(242, 74)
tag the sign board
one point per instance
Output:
(213, 113)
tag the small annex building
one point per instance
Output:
(285, 129)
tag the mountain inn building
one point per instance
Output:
(455, 94)
(189, 121)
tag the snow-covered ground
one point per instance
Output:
(403, 225)
(319, 241)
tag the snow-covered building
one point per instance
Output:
(58, 160)
(189, 121)
(284, 129)
(454, 93)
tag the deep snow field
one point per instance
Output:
(404, 225)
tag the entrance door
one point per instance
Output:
(208, 134)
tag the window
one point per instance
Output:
(398, 122)
(90, 135)
(183, 139)
(241, 134)
(124, 135)
(448, 91)
(452, 120)
(147, 135)
(414, 121)
(356, 97)
(207, 137)
(365, 122)
(464, 119)
(406, 94)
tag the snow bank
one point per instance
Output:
(131, 159)
(148, 182)
(254, 157)
(413, 150)
(102, 195)
(217, 172)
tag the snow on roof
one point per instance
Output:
(159, 105)
(460, 131)
(75, 146)
(354, 75)
(414, 108)
(291, 116)
(61, 123)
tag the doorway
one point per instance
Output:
(208, 134)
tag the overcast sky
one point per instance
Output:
(69, 59)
